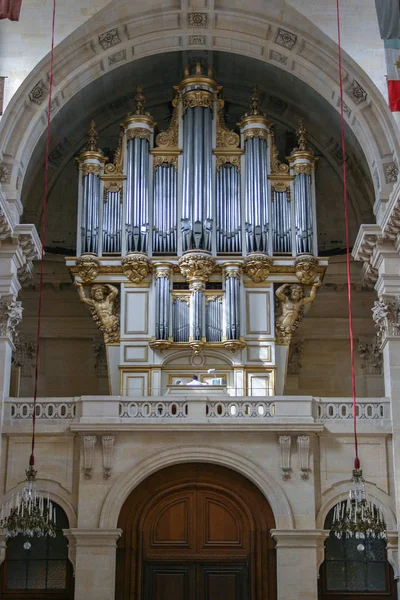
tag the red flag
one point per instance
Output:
(10, 9)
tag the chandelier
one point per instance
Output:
(28, 513)
(358, 517)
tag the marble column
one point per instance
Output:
(299, 554)
(93, 554)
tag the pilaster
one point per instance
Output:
(93, 554)
(299, 554)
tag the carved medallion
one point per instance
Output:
(258, 266)
(196, 266)
(136, 266)
(87, 267)
(306, 268)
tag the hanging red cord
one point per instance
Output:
(346, 216)
(43, 232)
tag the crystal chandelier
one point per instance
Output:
(28, 513)
(358, 517)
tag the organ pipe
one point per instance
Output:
(302, 162)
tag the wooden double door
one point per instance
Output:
(196, 581)
(196, 532)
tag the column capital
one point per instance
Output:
(299, 538)
(93, 537)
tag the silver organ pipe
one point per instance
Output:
(91, 163)
(228, 210)
(137, 212)
(196, 311)
(302, 162)
(164, 210)
(197, 178)
(181, 318)
(303, 213)
(232, 302)
(257, 215)
(213, 318)
(112, 222)
(162, 304)
(281, 223)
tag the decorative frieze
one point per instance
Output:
(39, 92)
(285, 38)
(356, 92)
(197, 19)
(109, 38)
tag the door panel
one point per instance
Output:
(196, 581)
(164, 581)
(223, 582)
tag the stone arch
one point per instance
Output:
(339, 492)
(232, 460)
(302, 50)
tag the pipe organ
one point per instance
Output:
(193, 226)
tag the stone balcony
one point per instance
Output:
(197, 409)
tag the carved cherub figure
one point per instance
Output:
(292, 304)
(101, 303)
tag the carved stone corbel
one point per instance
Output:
(87, 266)
(303, 445)
(285, 442)
(306, 268)
(107, 442)
(136, 266)
(257, 266)
(196, 266)
(89, 442)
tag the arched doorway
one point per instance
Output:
(355, 569)
(196, 532)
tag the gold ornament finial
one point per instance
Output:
(301, 136)
(92, 136)
(139, 101)
(255, 101)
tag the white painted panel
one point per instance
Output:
(134, 384)
(136, 353)
(136, 313)
(258, 312)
